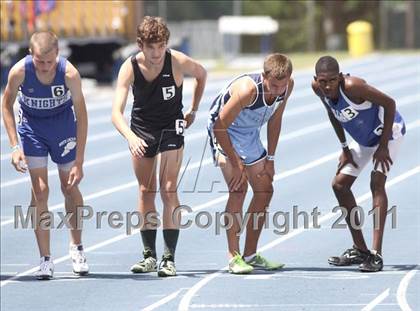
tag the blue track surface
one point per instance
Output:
(306, 160)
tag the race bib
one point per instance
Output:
(180, 125)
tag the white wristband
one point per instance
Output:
(270, 157)
(15, 148)
(344, 145)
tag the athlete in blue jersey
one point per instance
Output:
(236, 117)
(48, 88)
(370, 118)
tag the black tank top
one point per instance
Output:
(157, 104)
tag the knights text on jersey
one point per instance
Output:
(40, 100)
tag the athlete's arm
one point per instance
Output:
(359, 88)
(338, 129)
(273, 131)
(346, 156)
(74, 83)
(125, 80)
(191, 67)
(243, 93)
(274, 124)
(15, 79)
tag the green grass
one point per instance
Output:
(305, 60)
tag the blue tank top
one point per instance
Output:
(363, 122)
(252, 117)
(40, 100)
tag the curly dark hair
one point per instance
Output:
(151, 30)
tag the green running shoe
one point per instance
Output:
(237, 265)
(259, 262)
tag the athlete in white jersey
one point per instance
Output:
(48, 86)
(370, 118)
(235, 121)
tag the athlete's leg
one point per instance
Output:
(40, 192)
(341, 185)
(170, 164)
(145, 171)
(379, 197)
(73, 200)
(380, 205)
(233, 208)
(262, 188)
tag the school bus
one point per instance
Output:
(92, 20)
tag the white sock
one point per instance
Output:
(248, 258)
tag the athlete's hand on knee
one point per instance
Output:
(19, 161)
(238, 176)
(268, 170)
(382, 157)
(346, 157)
(137, 146)
(189, 117)
(75, 176)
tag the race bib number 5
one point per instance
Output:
(180, 125)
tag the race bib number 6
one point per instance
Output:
(180, 125)
(378, 131)
(57, 90)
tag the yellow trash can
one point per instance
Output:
(359, 38)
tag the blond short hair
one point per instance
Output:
(43, 41)
(152, 29)
(278, 66)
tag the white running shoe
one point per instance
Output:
(145, 265)
(46, 269)
(166, 268)
(78, 260)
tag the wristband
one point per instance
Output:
(15, 148)
(193, 112)
(270, 157)
(344, 145)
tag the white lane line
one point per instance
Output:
(258, 277)
(279, 306)
(197, 164)
(186, 299)
(377, 300)
(288, 113)
(163, 301)
(402, 289)
(389, 87)
(306, 130)
(95, 161)
(213, 202)
(54, 172)
(90, 138)
(207, 279)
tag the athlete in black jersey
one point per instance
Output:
(157, 125)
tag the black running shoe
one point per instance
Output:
(352, 256)
(373, 263)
